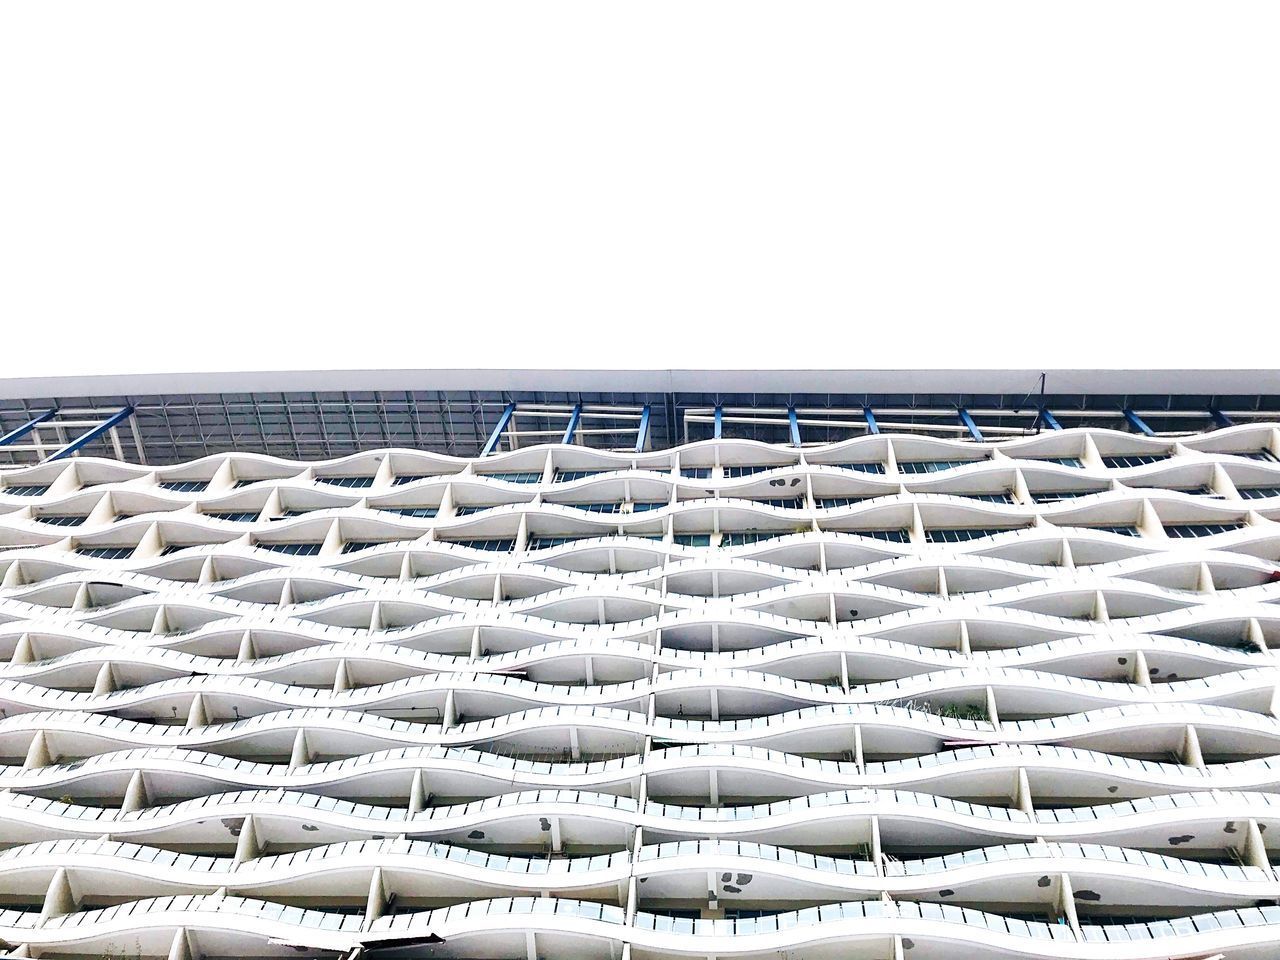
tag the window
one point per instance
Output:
(1134, 459)
(1065, 461)
(234, 516)
(746, 470)
(175, 547)
(423, 513)
(963, 534)
(564, 476)
(245, 483)
(26, 490)
(828, 503)
(62, 519)
(286, 514)
(185, 486)
(467, 509)
(640, 506)
(693, 539)
(931, 466)
(1057, 496)
(1182, 531)
(355, 482)
(740, 537)
(542, 543)
(1124, 530)
(1204, 490)
(530, 476)
(352, 546)
(595, 507)
(1265, 455)
(1258, 493)
(696, 473)
(402, 479)
(293, 549)
(499, 545)
(861, 467)
(893, 536)
(787, 503)
(988, 497)
(106, 553)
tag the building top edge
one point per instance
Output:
(905, 380)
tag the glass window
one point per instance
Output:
(106, 553)
(542, 543)
(564, 476)
(932, 466)
(25, 490)
(185, 486)
(355, 482)
(424, 513)
(352, 546)
(1065, 461)
(62, 519)
(1134, 459)
(738, 538)
(1182, 531)
(1124, 530)
(1258, 493)
(527, 476)
(495, 544)
(786, 503)
(988, 497)
(868, 467)
(893, 536)
(1057, 496)
(962, 534)
(293, 549)
(233, 516)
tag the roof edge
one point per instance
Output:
(1128, 382)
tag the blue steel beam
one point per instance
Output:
(795, 426)
(642, 435)
(719, 430)
(1219, 418)
(1049, 420)
(572, 428)
(872, 426)
(969, 425)
(121, 415)
(22, 431)
(1138, 423)
(494, 438)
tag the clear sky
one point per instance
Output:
(265, 185)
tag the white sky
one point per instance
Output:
(267, 185)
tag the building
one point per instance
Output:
(603, 665)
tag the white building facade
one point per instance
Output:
(642, 675)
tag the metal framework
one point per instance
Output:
(65, 431)
(170, 428)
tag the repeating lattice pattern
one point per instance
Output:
(892, 697)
